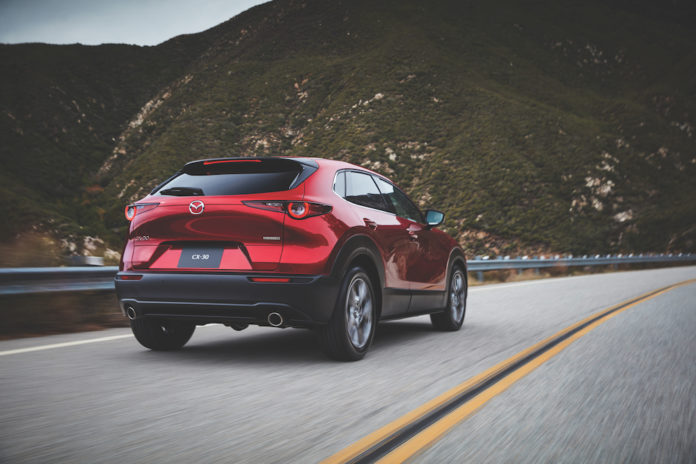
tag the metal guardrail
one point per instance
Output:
(23, 280)
(482, 264)
(26, 280)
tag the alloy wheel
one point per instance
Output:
(359, 303)
(457, 296)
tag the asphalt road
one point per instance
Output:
(625, 392)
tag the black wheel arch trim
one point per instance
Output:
(355, 247)
(456, 257)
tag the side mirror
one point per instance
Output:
(434, 218)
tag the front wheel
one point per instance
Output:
(350, 331)
(453, 316)
(161, 334)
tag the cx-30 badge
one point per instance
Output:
(196, 207)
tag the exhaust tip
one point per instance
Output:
(275, 319)
(130, 312)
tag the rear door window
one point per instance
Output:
(399, 202)
(362, 190)
(340, 184)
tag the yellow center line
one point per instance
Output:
(432, 433)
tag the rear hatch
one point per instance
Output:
(201, 218)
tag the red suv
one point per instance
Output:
(285, 242)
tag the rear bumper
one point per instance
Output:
(227, 298)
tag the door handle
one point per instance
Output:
(370, 223)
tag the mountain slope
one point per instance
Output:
(564, 126)
(62, 107)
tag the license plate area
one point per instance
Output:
(200, 257)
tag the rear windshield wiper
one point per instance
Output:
(182, 191)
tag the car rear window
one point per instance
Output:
(232, 177)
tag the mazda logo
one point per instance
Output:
(196, 207)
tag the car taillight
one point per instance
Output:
(298, 209)
(277, 206)
(306, 209)
(294, 209)
(137, 208)
(130, 212)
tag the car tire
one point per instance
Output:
(349, 333)
(452, 318)
(161, 334)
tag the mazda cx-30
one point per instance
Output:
(285, 242)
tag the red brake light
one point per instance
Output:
(132, 210)
(294, 209)
(298, 209)
(277, 206)
(305, 209)
(206, 163)
(130, 277)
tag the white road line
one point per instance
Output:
(118, 337)
(63, 345)
(510, 285)
(75, 343)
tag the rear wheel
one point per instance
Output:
(349, 333)
(161, 334)
(453, 316)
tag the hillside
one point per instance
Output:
(554, 126)
(61, 110)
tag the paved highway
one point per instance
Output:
(623, 392)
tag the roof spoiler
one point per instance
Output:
(267, 161)
(306, 167)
